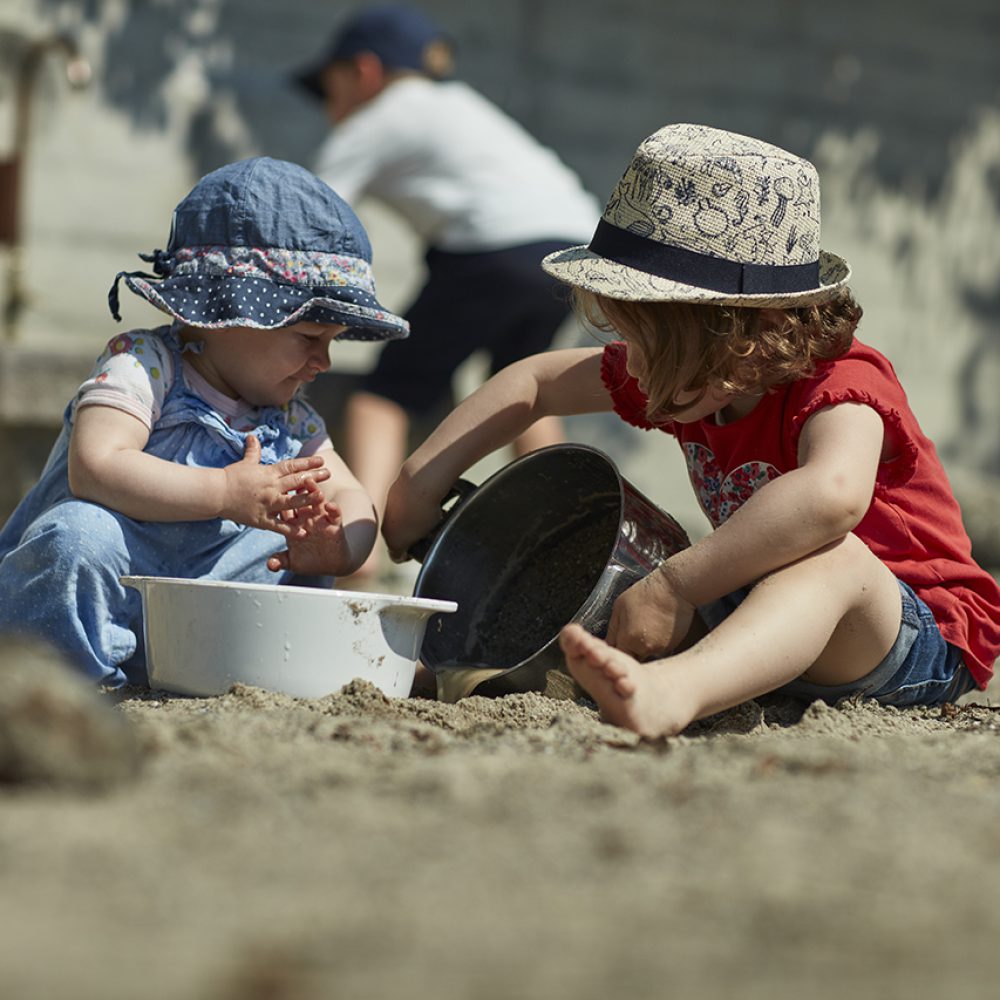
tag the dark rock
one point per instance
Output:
(56, 729)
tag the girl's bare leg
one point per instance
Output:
(376, 433)
(831, 617)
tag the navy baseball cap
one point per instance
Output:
(399, 36)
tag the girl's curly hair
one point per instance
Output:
(691, 347)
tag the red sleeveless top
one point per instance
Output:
(913, 525)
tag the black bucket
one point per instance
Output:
(550, 539)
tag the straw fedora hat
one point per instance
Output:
(704, 215)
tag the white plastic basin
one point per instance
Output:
(204, 636)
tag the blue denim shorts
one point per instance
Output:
(920, 669)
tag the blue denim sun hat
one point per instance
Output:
(264, 243)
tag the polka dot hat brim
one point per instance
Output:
(216, 301)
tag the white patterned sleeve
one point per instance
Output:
(308, 426)
(133, 374)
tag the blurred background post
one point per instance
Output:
(898, 106)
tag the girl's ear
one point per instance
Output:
(371, 75)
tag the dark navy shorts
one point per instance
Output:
(920, 669)
(500, 301)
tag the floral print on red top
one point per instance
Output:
(721, 497)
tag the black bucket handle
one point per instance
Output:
(460, 492)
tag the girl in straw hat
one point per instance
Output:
(189, 451)
(838, 563)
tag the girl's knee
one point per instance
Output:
(846, 555)
(76, 516)
(857, 565)
(847, 563)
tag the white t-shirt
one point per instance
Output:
(466, 176)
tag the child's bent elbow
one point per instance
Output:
(840, 509)
(80, 481)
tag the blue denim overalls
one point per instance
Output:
(61, 558)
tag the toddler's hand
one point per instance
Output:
(650, 618)
(259, 495)
(317, 542)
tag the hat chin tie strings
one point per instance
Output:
(113, 294)
(160, 260)
(701, 270)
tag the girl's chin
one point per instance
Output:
(272, 398)
(660, 419)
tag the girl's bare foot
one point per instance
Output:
(629, 694)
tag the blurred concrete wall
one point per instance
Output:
(898, 104)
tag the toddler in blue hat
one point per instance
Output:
(189, 451)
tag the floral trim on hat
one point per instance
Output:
(310, 268)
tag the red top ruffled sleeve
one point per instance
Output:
(628, 399)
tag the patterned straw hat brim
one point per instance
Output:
(704, 215)
(581, 267)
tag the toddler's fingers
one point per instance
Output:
(308, 495)
(278, 525)
(278, 562)
(251, 450)
(311, 485)
(309, 465)
(296, 503)
(292, 482)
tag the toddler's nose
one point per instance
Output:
(321, 357)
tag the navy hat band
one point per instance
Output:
(700, 269)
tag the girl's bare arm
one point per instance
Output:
(794, 515)
(797, 514)
(107, 465)
(360, 521)
(558, 383)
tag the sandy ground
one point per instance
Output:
(258, 847)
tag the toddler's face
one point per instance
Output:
(265, 367)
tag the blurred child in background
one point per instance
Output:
(485, 197)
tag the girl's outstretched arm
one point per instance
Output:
(557, 383)
(108, 466)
